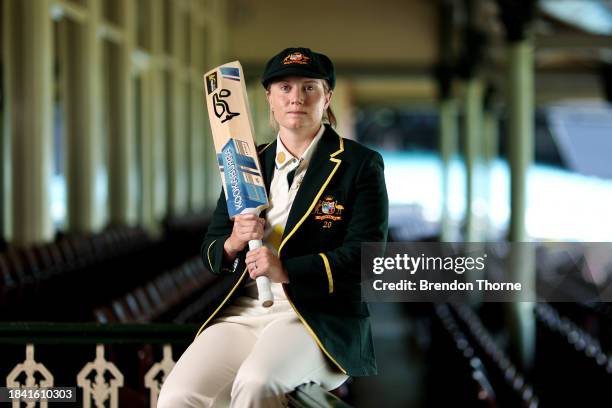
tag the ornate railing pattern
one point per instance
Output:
(99, 380)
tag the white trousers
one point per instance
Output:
(249, 357)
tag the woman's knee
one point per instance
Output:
(257, 382)
(181, 398)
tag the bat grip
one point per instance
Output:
(263, 282)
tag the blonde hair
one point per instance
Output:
(328, 115)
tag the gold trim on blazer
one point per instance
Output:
(213, 314)
(263, 149)
(313, 334)
(208, 254)
(330, 279)
(222, 303)
(314, 202)
(310, 208)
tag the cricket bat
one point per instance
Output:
(233, 134)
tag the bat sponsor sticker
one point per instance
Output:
(243, 181)
(230, 73)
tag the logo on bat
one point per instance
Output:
(222, 107)
(211, 82)
(296, 58)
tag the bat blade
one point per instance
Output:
(232, 130)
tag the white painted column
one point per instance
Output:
(85, 161)
(176, 137)
(196, 134)
(122, 138)
(521, 124)
(216, 34)
(474, 93)
(27, 51)
(449, 142)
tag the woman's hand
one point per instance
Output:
(263, 262)
(247, 227)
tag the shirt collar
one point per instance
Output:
(284, 158)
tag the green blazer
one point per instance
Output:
(341, 203)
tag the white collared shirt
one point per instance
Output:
(282, 195)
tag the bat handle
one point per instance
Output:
(266, 298)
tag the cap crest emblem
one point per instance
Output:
(296, 58)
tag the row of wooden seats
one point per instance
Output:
(23, 265)
(153, 299)
(576, 370)
(580, 340)
(595, 318)
(465, 379)
(26, 271)
(184, 234)
(510, 385)
(474, 370)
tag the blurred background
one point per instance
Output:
(494, 119)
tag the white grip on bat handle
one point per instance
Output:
(264, 287)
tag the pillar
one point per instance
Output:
(473, 126)
(490, 150)
(122, 139)
(176, 137)
(448, 136)
(521, 123)
(216, 30)
(84, 147)
(517, 17)
(196, 133)
(28, 50)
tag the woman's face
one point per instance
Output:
(298, 102)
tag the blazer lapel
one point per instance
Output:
(322, 167)
(266, 158)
